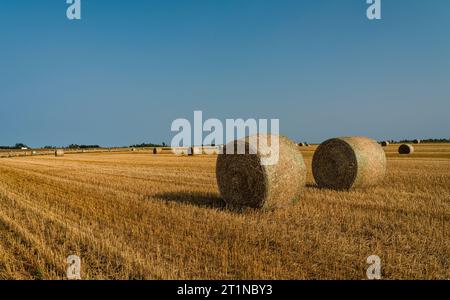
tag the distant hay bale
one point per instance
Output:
(166, 151)
(157, 150)
(417, 141)
(301, 144)
(133, 149)
(348, 162)
(405, 149)
(197, 150)
(384, 143)
(220, 149)
(246, 183)
(59, 152)
(179, 150)
(210, 150)
(191, 151)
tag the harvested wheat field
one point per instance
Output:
(138, 215)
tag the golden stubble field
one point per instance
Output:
(137, 215)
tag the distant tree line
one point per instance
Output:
(146, 145)
(427, 141)
(19, 146)
(15, 147)
(75, 146)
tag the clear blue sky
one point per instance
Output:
(128, 68)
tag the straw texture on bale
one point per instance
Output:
(385, 143)
(348, 162)
(244, 182)
(405, 149)
(59, 152)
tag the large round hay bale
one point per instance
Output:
(405, 149)
(245, 182)
(59, 152)
(384, 143)
(348, 162)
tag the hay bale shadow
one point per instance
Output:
(312, 185)
(192, 198)
(315, 186)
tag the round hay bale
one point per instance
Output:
(244, 182)
(417, 141)
(191, 151)
(59, 152)
(157, 150)
(210, 150)
(348, 162)
(301, 144)
(405, 149)
(384, 143)
(181, 151)
(166, 151)
(197, 150)
(220, 149)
